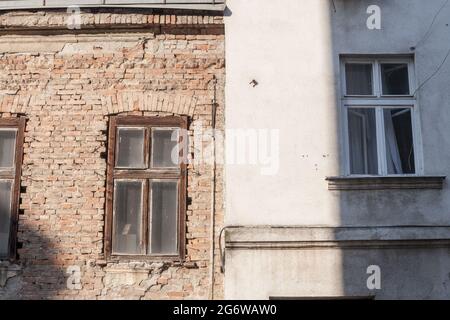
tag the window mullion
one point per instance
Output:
(412, 78)
(376, 79)
(145, 218)
(150, 216)
(146, 174)
(147, 197)
(417, 140)
(346, 139)
(381, 142)
(7, 176)
(148, 146)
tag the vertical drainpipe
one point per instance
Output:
(213, 186)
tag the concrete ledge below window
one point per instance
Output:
(385, 183)
(309, 237)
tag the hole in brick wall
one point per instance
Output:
(19, 245)
(188, 201)
(21, 211)
(23, 189)
(103, 155)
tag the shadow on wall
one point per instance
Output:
(38, 274)
(420, 270)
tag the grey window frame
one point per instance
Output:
(379, 102)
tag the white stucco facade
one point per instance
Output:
(283, 74)
(289, 56)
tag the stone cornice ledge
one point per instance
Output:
(288, 238)
(385, 183)
(109, 19)
(218, 5)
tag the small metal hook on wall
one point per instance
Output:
(254, 83)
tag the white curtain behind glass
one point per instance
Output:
(394, 162)
(362, 141)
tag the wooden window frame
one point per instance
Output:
(179, 174)
(14, 175)
(379, 102)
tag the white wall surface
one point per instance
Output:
(291, 48)
(285, 46)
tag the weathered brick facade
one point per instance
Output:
(67, 84)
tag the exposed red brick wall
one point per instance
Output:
(68, 85)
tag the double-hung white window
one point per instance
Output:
(380, 117)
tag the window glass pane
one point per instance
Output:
(127, 231)
(131, 148)
(362, 141)
(395, 78)
(165, 148)
(164, 225)
(359, 78)
(7, 148)
(399, 141)
(5, 215)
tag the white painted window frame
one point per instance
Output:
(380, 102)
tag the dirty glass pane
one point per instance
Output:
(395, 78)
(131, 148)
(7, 148)
(5, 215)
(127, 230)
(358, 78)
(165, 152)
(362, 141)
(164, 225)
(399, 141)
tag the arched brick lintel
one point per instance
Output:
(128, 101)
(14, 103)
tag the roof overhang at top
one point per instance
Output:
(214, 5)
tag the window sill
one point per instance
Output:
(150, 259)
(385, 183)
(144, 262)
